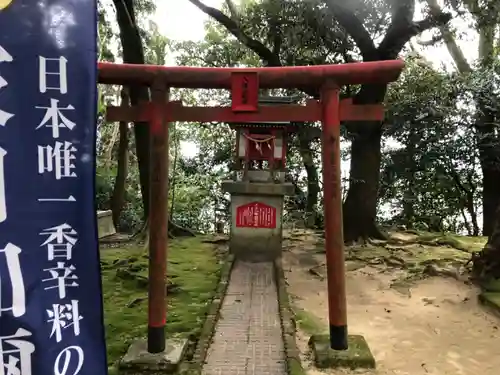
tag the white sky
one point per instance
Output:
(182, 21)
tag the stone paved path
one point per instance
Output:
(248, 338)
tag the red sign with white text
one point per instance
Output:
(244, 91)
(255, 215)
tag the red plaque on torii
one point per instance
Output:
(244, 91)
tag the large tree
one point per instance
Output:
(483, 87)
(430, 176)
(484, 90)
(486, 263)
(133, 53)
(362, 22)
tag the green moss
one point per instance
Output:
(491, 286)
(442, 240)
(412, 231)
(288, 323)
(491, 299)
(295, 367)
(191, 371)
(463, 243)
(473, 243)
(308, 322)
(193, 272)
(357, 356)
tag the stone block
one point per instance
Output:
(256, 244)
(138, 361)
(105, 224)
(357, 356)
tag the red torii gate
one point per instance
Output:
(244, 85)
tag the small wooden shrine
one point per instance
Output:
(261, 147)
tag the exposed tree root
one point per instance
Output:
(437, 241)
(174, 230)
(485, 264)
(375, 233)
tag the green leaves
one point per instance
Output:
(432, 168)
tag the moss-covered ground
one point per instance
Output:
(414, 254)
(192, 272)
(308, 323)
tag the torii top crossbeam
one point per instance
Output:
(276, 77)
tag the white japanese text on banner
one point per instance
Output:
(50, 291)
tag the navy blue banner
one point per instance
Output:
(51, 319)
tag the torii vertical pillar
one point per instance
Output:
(332, 196)
(158, 220)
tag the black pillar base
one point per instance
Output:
(156, 339)
(338, 337)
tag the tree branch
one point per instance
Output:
(265, 54)
(232, 10)
(431, 42)
(458, 182)
(275, 37)
(354, 27)
(456, 53)
(402, 28)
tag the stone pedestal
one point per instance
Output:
(138, 361)
(256, 219)
(105, 224)
(357, 356)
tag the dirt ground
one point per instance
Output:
(414, 323)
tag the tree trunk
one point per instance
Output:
(489, 151)
(408, 215)
(467, 225)
(360, 207)
(488, 143)
(119, 189)
(473, 214)
(488, 140)
(491, 199)
(410, 196)
(312, 179)
(486, 263)
(133, 53)
(118, 196)
(172, 182)
(108, 158)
